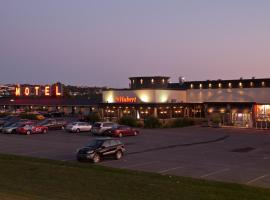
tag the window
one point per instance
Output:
(152, 81)
(263, 84)
(240, 84)
(210, 85)
(251, 84)
(230, 85)
(191, 86)
(219, 85)
(201, 86)
(141, 81)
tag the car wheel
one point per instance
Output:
(28, 132)
(13, 131)
(120, 135)
(96, 158)
(78, 130)
(118, 155)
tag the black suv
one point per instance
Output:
(99, 148)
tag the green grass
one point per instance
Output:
(23, 178)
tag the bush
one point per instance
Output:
(182, 122)
(128, 120)
(28, 116)
(93, 117)
(3, 115)
(216, 118)
(152, 122)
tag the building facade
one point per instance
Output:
(241, 103)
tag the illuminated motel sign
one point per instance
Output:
(123, 99)
(47, 90)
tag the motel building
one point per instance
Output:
(240, 103)
(46, 98)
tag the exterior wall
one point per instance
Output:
(146, 96)
(258, 95)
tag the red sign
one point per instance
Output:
(54, 90)
(126, 99)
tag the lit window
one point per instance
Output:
(191, 86)
(251, 84)
(219, 85)
(240, 84)
(200, 86)
(152, 81)
(133, 81)
(141, 81)
(263, 83)
(210, 85)
(230, 85)
(163, 80)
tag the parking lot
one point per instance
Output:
(232, 155)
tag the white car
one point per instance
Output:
(99, 128)
(77, 127)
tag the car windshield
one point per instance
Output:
(97, 125)
(95, 143)
(15, 125)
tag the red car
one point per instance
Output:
(120, 131)
(28, 129)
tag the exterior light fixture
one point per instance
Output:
(219, 85)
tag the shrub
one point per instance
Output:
(182, 122)
(152, 122)
(216, 118)
(93, 117)
(28, 116)
(128, 120)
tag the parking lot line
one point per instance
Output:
(215, 172)
(141, 164)
(258, 178)
(170, 169)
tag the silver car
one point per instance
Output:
(77, 127)
(99, 128)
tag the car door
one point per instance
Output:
(108, 148)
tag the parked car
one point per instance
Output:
(54, 124)
(6, 124)
(54, 115)
(100, 148)
(12, 129)
(77, 127)
(99, 128)
(9, 118)
(120, 131)
(28, 129)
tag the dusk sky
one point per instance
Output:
(102, 43)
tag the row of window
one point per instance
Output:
(228, 85)
(152, 81)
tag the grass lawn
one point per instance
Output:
(23, 178)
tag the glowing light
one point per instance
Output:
(17, 91)
(47, 91)
(37, 90)
(57, 91)
(26, 91)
